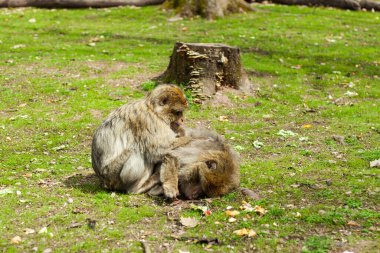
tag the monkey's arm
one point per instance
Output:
(164, 180)
(169, 176)
(180, 142)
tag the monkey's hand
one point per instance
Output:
(181, 141)
(170, 191)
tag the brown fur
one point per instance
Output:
(207, 166)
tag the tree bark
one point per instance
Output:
(76, 3)
(204, 68)
(209, 9)
(340, 4)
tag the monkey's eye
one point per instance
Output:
(164, 101)
(211, 165)
(177, 113)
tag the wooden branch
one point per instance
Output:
(370, 5)
(76, 3)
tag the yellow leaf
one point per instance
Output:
(260, 210)
(244, 231)
(353, 224)
(16, 240)
(307, 126)
(223, 118)
(232, 213)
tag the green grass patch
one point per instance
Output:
(316, 73)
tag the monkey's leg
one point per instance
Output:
(150, 183)
(109, 174)
(135, 172)
(156, 190)
(169, 176)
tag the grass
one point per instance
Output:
(62, 74)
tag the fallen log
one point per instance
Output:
(76, 3)
(340, 4)
(370, 5)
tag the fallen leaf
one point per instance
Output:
(32, 20)
(6, 191)
(29, 231)
(18, 46)
(307, 126)
(59, 148)
(375, 163)
(232, 213)
(330, 40)
(232, 219)
(200, 208)
(43, 230)
(207, 213)
(188, 222)
(239, 148)
(16, 240)
(351, 94)
(258, 144)
(353, 223)
(260, 210)
(75, 225)
(246, 207)
(223, 118)
(286, 133)
(244, 231)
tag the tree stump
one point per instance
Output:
(204, 68)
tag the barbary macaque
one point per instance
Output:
(136, 137)
(205, 164)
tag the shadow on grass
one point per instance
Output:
(87, 183)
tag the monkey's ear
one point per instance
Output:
(211, 165)
(163, 101)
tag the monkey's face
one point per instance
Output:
(215, 175)
(169, 103)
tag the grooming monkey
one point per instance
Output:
(136, 137)
(205, 164)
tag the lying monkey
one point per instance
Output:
(206, 167)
